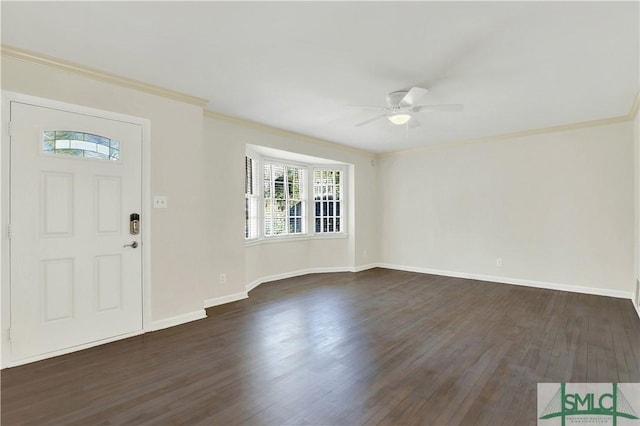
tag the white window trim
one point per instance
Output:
(309, 225)
(343, 187)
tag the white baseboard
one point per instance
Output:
(514, 281)
(292, 274)
(209, 303)
(322, 270)
(177, 320)
(364, 267)
(490, 278)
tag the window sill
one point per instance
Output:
(293, 238)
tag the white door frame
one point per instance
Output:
(5, 186)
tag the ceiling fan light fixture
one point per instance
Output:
(399, 118)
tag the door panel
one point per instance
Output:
(56, 207)
(108, 198)
(75, 179)
(57, 289)
(108, 279)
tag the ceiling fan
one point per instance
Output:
(401, 107)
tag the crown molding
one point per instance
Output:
(514, 135)
(286, 133)
(37, 58)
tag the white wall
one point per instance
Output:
(557, 208)
(224, 177)
(177, 170)
(228, 138)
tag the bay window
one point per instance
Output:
(278, 193)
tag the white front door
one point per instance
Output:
(75, 181)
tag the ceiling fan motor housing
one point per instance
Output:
(394, 98)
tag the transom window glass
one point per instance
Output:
(251, 198)
(80, 144)
(327, 195)
(284, 199)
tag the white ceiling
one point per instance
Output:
(296, 65)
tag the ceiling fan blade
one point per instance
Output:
(412, 96)
(438, 108)
(371, 120)
(413, 123)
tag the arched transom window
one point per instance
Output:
(80, 144)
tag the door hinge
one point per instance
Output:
(11, 334)
(9, 231)
(10, 129)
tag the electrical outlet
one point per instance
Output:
(159, 201)
(499, 262)
(223, 278)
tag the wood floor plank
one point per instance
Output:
(374, 347)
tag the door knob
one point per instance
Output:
(133, 244)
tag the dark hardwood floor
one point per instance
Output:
(375, 347)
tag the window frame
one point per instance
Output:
(309, 169)
(331, 168)
(304, 199)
